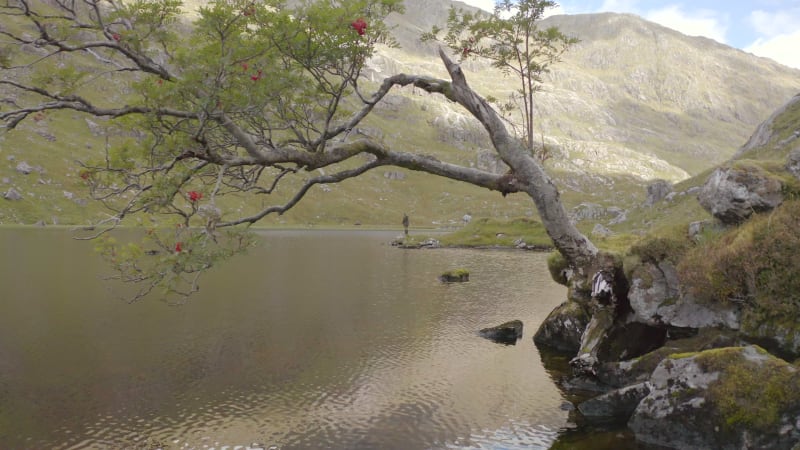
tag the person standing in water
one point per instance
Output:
(405, 223)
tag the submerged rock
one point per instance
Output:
(617, 405)
(506, 333)
(455, 276)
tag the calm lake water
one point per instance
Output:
(314, 340)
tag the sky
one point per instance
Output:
(769, 28)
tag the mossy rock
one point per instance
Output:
(455, 276)
(749, 398)
(563, 327)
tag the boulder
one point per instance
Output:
(729, 398)
(780, 337)
(656, 299)
(506, 333)
(732, 195)
(601, 231)
(563, 327)
(637, 370)
(588, 211)
(24, 168)
(394, 175)
(793, 163)
(657, 191)
(12, 194)
(616, 405)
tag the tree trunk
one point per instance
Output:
(528, 174)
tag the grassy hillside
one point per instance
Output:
(614, 117)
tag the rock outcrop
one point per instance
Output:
(730, 398)
(616, 405)
(657, 191)
(732, 195)
(656, 299)
(563, 327)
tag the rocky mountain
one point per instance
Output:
(632, 102)
(633, 97)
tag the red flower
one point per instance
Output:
(85, 174)
(178, 247)
(244, 67)
(116, 37)
(257, 76)
(359, 25)
(194, 196)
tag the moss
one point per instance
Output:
(752, 394)
(682, 355)
(557, 266)
(455, 275)
(660, 248)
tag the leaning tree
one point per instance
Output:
(249, 95)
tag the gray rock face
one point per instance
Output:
(587, 211)
(12, 194)
(732, 195)
(563, 327)
(793, 163)
(601, 231)
(657, 191)
(617, 405)
(657, 299)
(24, 168)
(394, 175)
(693, 402)
(764, 132)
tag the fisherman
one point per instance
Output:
(405, 223)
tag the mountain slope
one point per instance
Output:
(633, 101)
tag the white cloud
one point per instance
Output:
(776, 22)
(554, 11)
(781, 48)
(618, 6)
(699, 23)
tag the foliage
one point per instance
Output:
(660, 248)
(254, 98)
(171, 260)
(512, 40)
(755, 263)
(750, 393)
(557, 265)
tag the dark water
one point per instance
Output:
(315, 340)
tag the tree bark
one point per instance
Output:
(528, 175)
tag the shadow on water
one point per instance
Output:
(580, 434)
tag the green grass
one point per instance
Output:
(486, 232)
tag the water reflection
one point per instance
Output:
(315, 340)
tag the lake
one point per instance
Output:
(313, 340)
